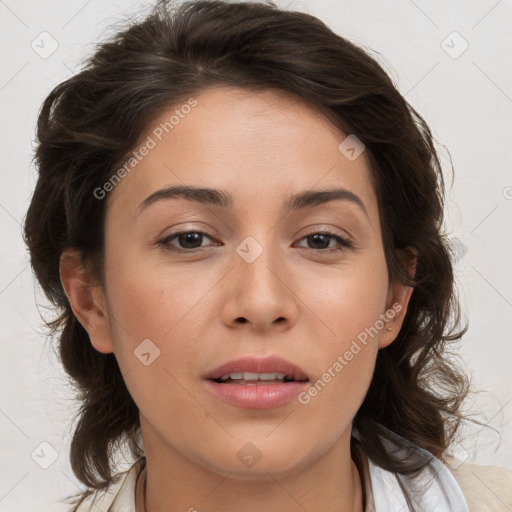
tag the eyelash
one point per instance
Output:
(344, 243)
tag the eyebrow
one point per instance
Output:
(223, 199)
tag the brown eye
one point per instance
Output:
(187, 241)
(321, 241)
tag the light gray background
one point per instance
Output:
(467, 101)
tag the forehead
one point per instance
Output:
(256, 144)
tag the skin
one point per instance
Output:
(260, 147)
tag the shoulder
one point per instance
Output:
(440, 485)
(486, 488)
(120, 496)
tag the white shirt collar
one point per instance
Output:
(433, 489)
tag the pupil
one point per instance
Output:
(190, 237)
(318, 237)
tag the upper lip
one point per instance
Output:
(270, 364)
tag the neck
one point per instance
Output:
(175, 483)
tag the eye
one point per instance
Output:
(191, 241)
(323, 239)
(188, 240)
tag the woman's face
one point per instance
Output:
(250, 280)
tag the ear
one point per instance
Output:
(87, 300)
(398, 299)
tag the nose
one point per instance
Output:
(260, 294)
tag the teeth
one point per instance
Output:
(253, 376)
(234, 376)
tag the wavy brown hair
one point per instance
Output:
(89, 125)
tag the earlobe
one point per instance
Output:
(398, 300)
(86, 299)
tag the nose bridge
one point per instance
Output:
(257, 264)
(260, 294)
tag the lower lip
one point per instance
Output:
(256, 396)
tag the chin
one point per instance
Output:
(247, 462)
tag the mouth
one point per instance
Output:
(257, 379)
(256, 383)
(254, 370)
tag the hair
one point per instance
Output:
(89, 125)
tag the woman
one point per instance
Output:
(240, 219)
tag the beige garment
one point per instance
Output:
(486, 488)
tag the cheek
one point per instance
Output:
(349, 306)
(158, 319)
(156, 338)
(347, 299)
(152, 300)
